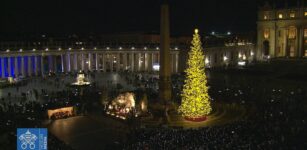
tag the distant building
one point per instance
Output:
(43, 54)
(282, 31)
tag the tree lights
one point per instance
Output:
(195, 104)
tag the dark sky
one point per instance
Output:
(114, 16)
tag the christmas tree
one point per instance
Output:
(195, 99)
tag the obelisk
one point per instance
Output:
(165, 91)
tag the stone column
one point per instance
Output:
(23, 66)
(76, 62)
(42, 65)
(132, 61)
(125, 61)
(62, 64)
(55, 64)
(149, 56)
(90, 61)
(152, 60)
(146, 62)
(36, 65)
(117, 62)
(112, 62)
(176, 62)
(142, 61)
(82, 62)
(104, 67)
(165, 75)
(68, 62)
(96, 61)
(172, 63)
(29, 66)
(137, 62)
(50, 62)
(9, 66)
(16, 66)
(2, 67)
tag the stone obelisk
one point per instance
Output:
(165, 91)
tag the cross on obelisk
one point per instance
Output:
(165, 91)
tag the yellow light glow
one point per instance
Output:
(207, 61)
(266, 33)
(11, 80)
(225, 58)
(252, 53)
(196, 31)
(195, 98)
(69, 110)
(81, 80)
(244, 57)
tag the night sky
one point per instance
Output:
(118, 16)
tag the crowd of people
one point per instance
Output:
(25, 115)
(278, 121)
(27, 108)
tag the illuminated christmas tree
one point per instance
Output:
(195, 104)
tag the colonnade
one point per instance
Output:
(36, 63)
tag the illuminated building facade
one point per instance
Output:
(40, 62)
(37, 57)
(282, 32)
